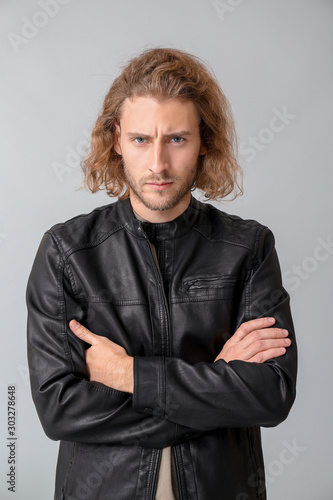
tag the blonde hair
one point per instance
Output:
(164, 73)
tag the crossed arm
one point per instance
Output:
(108, 363)
(86, 395)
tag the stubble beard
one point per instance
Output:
(164, 199)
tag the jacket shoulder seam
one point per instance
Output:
(224, 240)
(254, 266)
(88, 244)
(259, 233)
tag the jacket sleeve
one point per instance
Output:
(69, 406)
(213, 395)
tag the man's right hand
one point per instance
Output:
(255, 341)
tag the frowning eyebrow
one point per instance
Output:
(180, 133)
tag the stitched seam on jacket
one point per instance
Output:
(254, 461)
(89, 244)
(136, 362)
(190, 424)
(67, 254)
(159, 401)
(62, 304)
(73, 287)
(71, 278)
(193, 474)
(223, 240)
(69, 469)
(169, 299)
(161, 316)
(163, 389)
(181, 473)
(256, 248)
(254, 267)
(128, 302)
(139, 473)
(108, 390)
(149, 478)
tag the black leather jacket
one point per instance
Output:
(215, 272)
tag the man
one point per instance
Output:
(160, 336)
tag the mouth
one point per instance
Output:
(159, 186)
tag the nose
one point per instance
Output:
(159, 160)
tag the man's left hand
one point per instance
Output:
(107, 362)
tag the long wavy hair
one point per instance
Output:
(164, 73)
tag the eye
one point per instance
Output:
(177, 139)
(139, 140)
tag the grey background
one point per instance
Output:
(268, 55)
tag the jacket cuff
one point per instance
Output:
(149, 385)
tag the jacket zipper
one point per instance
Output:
(165, 352)
(165, 338)
(179, 468)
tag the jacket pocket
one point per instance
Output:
(220, 287)
(102, 471)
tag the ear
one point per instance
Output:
(116, 135)
(203, 150)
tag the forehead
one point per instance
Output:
(143, 110)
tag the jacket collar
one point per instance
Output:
(161, 230)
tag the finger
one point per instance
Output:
(261, 346)
(253, 324)
(261, 357)
(83, 333)
(264, 334)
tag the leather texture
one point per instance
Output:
(215, 272)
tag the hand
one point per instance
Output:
(107, 362)
(255, 341)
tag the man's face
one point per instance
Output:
(160, 145)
